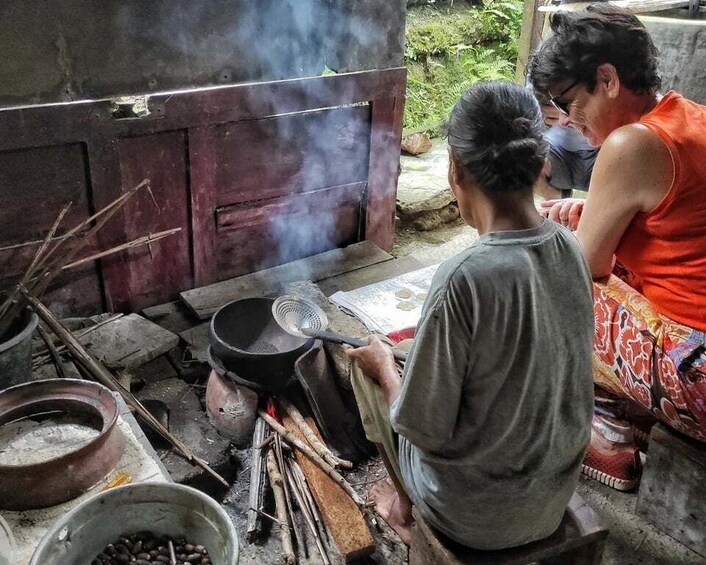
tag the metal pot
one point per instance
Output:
(16, 352)
(248, 341)
(56, 480)
(163, 509)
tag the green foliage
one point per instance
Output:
(447, 50)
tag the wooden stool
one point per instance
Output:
(672, 493)
(578, 541)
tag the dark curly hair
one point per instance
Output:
(495, 134)
(584, 40)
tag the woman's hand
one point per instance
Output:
(566, 211)
(378, 363)
(375, 359)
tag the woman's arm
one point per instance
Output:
(633, 173)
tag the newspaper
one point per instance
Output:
(389, 305)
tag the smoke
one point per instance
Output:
(266, 40)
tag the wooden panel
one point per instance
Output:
(206, 300)
(149, 275)
(202, 148)
(202, 168)
(384, 170)
(369, 275)
(268, 233)
(260, 159)
(34, 185)
(66, 123)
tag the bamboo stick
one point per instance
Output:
(311, 437)
(257, 486)
(106, 378)
(308, 518)
(40, 357)
(309, 498)
(311, 454)
(53, 352)
(7, 311)
(36, 281)
(281, 509)
(279, 456)
(47, 240)
(101, 218)
(144, 240)
(30, 243)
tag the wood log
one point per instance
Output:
(343, 518)
(257, 482)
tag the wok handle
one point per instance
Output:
(355, 342)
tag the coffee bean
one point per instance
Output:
(143, 548)
(122, 548)
(126, 542)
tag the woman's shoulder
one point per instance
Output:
(640, 160)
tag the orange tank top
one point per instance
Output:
(666, 248)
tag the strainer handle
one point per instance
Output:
(334, 337)
(355, 342)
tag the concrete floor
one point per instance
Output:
(632, 540)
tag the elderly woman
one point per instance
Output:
(644, 220)
(486, 431)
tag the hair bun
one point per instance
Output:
(521, 127)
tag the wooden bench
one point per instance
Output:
(672, 493)
(578, 541)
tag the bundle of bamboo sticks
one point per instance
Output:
(58, 253)
(289, 485)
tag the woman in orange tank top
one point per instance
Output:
(642, 228)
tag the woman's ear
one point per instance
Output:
(607, 79)
(454, 179)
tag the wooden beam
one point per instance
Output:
(343, 518)
(384, 171)
(530, 36)
(206, 300)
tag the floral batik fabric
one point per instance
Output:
(648, 358)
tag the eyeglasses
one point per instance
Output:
(563, 107)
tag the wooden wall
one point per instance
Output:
(255, 175)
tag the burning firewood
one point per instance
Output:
(311, 454)
(310, 436)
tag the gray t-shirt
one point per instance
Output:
(495, 409)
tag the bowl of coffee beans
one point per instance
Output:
(142, 524)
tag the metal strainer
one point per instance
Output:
(302, 318)
(294, 314)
